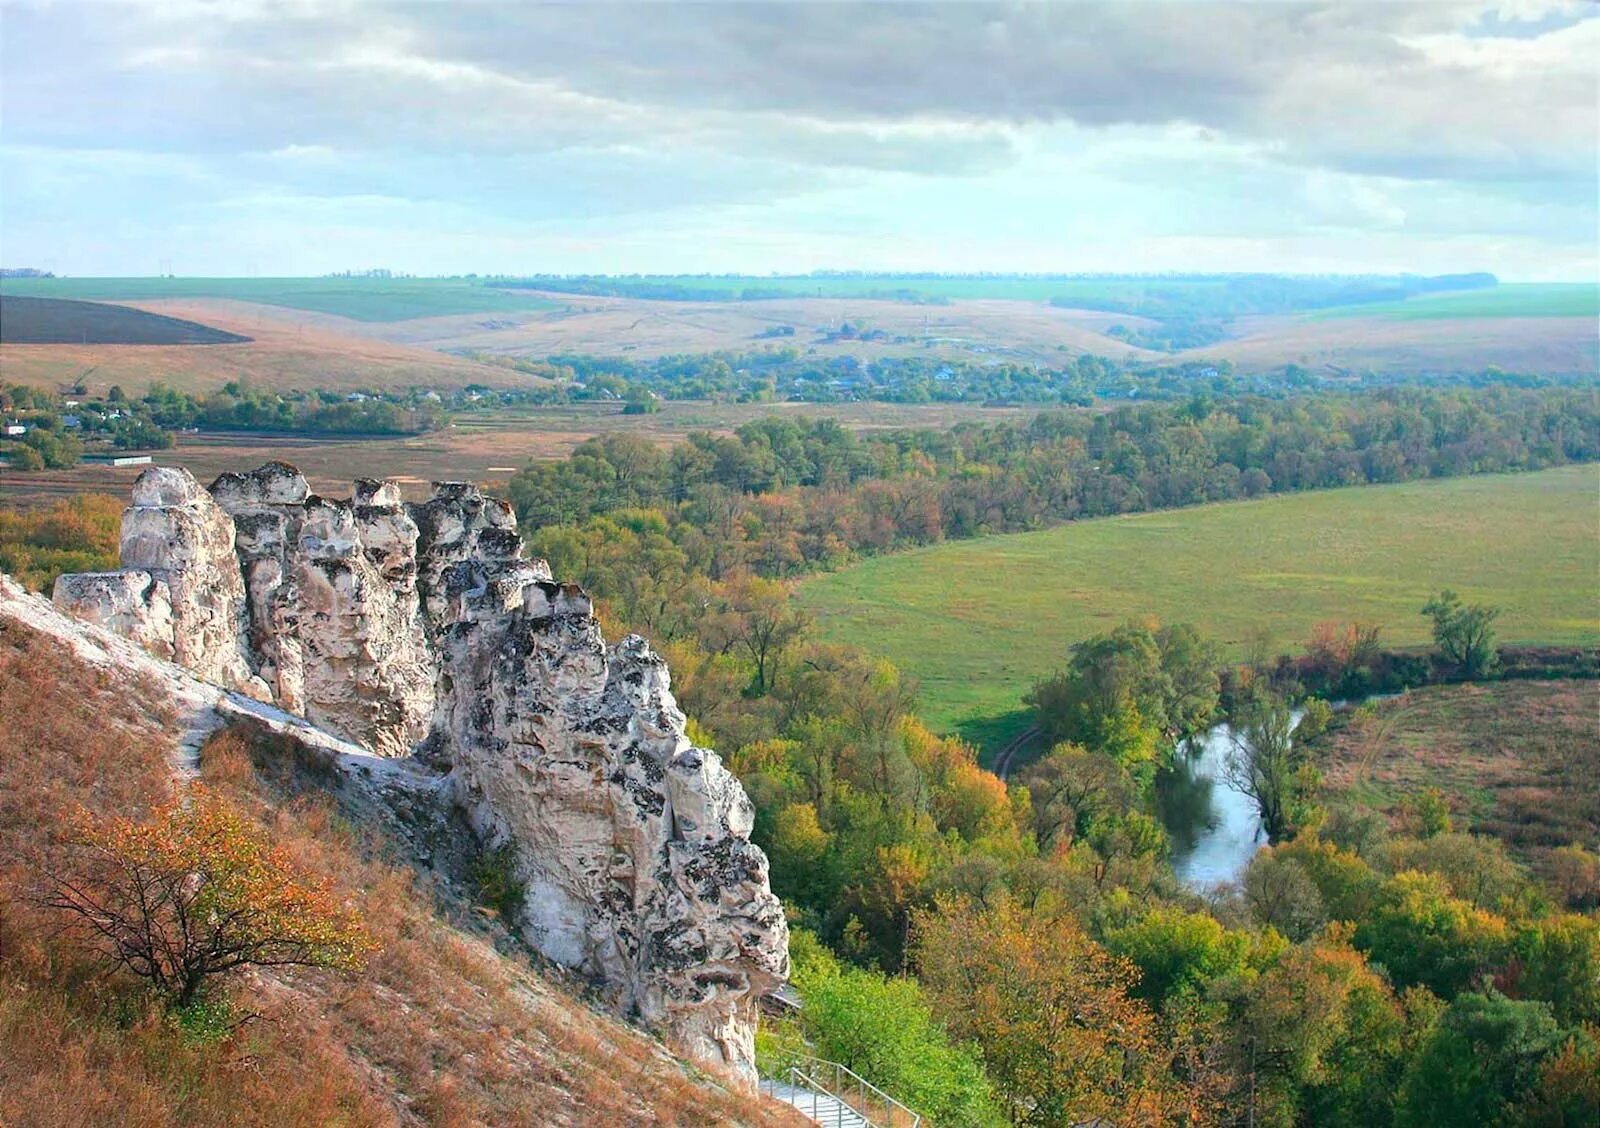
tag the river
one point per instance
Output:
(1215, 830)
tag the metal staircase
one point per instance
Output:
(835, 1096)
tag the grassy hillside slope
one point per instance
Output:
(977, 622)
(439, 1028)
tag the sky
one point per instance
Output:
(300, 137)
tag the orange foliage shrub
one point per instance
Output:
(194, 892)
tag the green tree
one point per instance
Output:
(1319, 1038)
(884, 1029)
(1463, 632)
(1421, 934)
(1268, 765)
(1281, 893)
(1486, 1053)
(1177, 951)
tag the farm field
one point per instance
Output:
(1360, 342)
(1547, 329)
(485, 448)
(278, 352)
(1518, 758)
(359, 299)
(977, 622)
(637, 328)
(1527, 300)
(41, 321)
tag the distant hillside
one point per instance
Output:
(1163, 295)
(359, 299)
(53, 321)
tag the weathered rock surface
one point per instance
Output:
(130, 603)
(177, 535)
(335, 625)
(632, 845)
(384, 623)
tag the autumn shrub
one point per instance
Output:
(194, 892)
(1053, 1014)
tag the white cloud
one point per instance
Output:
(1045, 133)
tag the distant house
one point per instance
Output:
(15, 429)
(71, 422)
(132, 460)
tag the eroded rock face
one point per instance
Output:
(174, 532)
(339, 641)
(133, 604)
(384, 623)
(632, 845)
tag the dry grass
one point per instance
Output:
(1549, 345)
(1519, 759)
(286, 350)
(971, 329)
(438, 1028)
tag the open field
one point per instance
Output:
(1529, 300)
(360, 299)
(280, 352)
(1552, 346)
(50, 321)
(977, 622)
(1021, 331)
(1518, 758)
(482, 448)
(998, 330)
(1547, 329)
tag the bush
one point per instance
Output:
(193, 892)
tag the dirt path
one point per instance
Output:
(1023, 739)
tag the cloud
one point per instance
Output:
(1348, 116)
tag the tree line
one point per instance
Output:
(780, 497)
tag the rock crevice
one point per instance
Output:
(386, 623)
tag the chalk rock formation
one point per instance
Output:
(385, 623)
(338, 640)
(632, 845)
(130, 603)
(174, 533)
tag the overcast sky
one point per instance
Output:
(304, 136)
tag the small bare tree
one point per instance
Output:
(194, 892)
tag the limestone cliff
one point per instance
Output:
(386, 623)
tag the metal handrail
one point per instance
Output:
(870, 1101)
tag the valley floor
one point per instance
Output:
(976, 622)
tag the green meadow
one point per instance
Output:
(976, 622)
(1554, 299)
